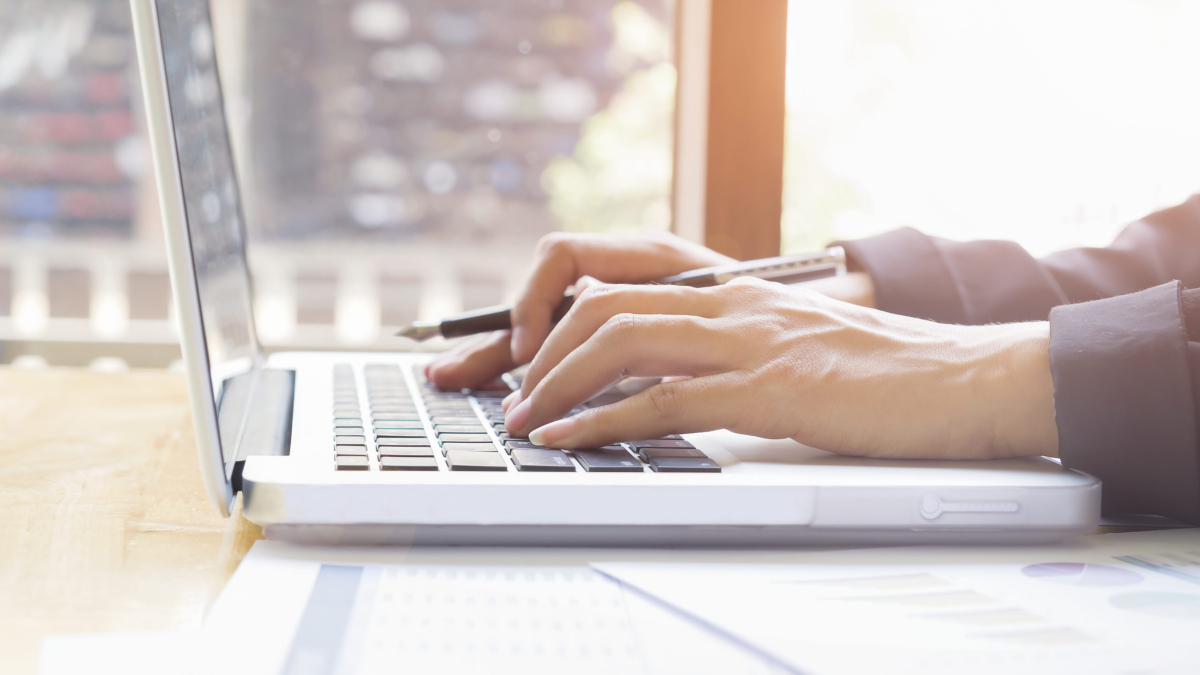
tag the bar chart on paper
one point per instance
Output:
(293, 611)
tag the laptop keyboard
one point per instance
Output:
(403, 427)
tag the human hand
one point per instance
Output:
(779, 362)
(562, 261)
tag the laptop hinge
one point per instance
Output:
(268, 425)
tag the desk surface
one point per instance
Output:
(104, 523)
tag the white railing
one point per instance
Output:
(434, 274)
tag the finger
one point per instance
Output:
(598, 305)
(698, 404)
(629, 345)
(563, 259)
(454, 354)
(481, 361)
(585, 282)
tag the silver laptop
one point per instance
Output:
(353, 447)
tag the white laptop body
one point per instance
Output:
(265, 426)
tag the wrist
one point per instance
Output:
(1016, 391)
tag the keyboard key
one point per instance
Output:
(381, 434)
(522, 443)
(661, 443)
(465, 438)
(684, 465)
(454, 419)
(360, 450)
(457, 404)
(459, 428)
(468, 447)
(350, 440)
(354, 421)
(647, 453)
(394, 451)
(345, 411)
(460, 460)
(379, 424)
(377, 408)
(342, 431)
(606, 459)
(352, 463)
(408, 464)
(530, 459)
(402, 443)
(396, 417)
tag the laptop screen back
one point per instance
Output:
(212, 203)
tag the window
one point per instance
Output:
(399, 159)
(1050, 122)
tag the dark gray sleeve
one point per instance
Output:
(1124, 400)
(980, 282)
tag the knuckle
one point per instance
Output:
(594, 299)
(745, 281)
(744, 289)
(555, 244)
(666, 399)
(593, 294)
(623, 326)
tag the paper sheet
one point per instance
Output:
(1120, 603)
(288, 610)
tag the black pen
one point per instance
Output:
(785, 270)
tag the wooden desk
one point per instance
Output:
(104, 523)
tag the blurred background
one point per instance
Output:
(400, 158)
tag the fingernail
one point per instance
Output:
(555, 433)
(517, 417)
(510, 400)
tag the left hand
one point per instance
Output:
(782, 362)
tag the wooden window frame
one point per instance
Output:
(729, 131)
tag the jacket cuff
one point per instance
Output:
(1123, 400)
(909, 274)
(973, 282)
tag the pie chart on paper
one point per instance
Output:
(1081, 574)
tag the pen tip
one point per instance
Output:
(420, 331)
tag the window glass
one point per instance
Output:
(1052, 123)
(420, 149)
(398, 159)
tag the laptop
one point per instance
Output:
(357, 448)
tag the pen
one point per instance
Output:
(784, 270)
